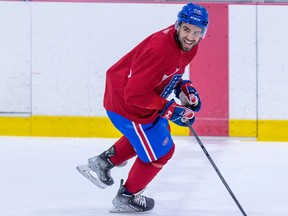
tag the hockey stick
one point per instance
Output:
(215, 167)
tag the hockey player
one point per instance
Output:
(135, 99)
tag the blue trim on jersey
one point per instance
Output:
(150, 141)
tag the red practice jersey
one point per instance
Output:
(139, 83)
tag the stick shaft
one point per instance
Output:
(215, 168)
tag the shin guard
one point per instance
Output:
(141, 174)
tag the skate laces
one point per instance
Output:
(140, 200)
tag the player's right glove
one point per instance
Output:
(177, 113)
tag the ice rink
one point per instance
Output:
(38, 178)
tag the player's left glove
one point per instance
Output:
(177, 113)
(188, 95)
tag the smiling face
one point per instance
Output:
(188, 36)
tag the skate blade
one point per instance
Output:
(85, 171)
(119, 210)
(116, 210)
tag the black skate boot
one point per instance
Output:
(102, 166)
(131, 203)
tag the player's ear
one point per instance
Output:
(177, 25)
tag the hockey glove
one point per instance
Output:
(188, 95)
(177, 113)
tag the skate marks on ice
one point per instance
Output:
(91, 211)
(38, 178)
(72, 211)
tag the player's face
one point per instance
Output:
(188, 36)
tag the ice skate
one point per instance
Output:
(131, 203)
(101, 166)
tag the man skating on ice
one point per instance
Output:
(135, 100)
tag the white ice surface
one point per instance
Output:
(38, 177)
